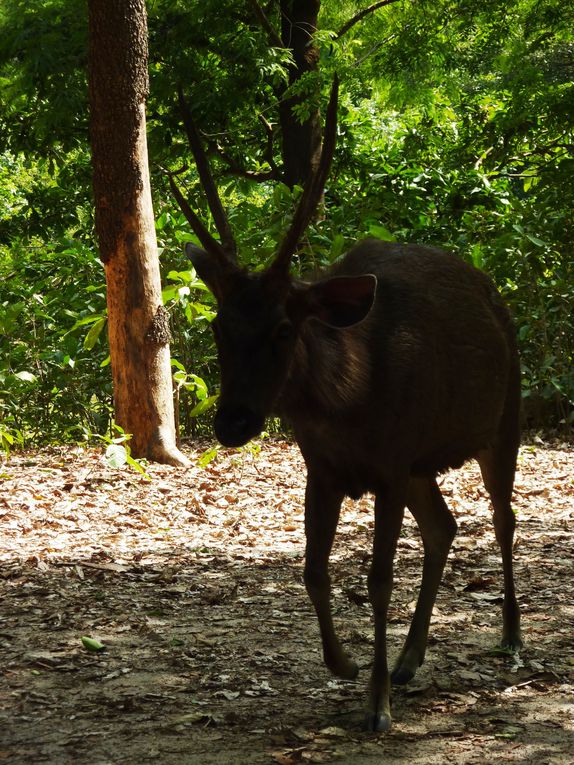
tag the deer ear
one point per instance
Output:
(341, 301)
(214, 271)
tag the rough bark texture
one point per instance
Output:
(301, 142)
(138, 327)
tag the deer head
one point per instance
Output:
(260, 315)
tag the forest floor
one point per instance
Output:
(193, 583)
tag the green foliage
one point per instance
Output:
(118, 452)
(9, 436)
(456, 128)
(43, 95)
(52, 386)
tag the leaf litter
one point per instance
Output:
(191, 583)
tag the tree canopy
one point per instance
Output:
(455, 128)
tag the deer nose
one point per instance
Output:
(235, 426)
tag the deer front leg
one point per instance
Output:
(322, 508)
(389, 511)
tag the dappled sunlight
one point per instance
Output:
(193, 583)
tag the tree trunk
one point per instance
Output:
(138, 325)
(301, 142)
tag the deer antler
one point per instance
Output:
(209, 243)
(313, 187)
(227, 247)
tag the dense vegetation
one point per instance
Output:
(456, 129)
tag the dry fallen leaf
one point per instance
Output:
(195, 579)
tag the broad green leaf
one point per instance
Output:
(116, 455)
(208, 456)
(536, 241)
(337, 246)
(26, 376)
(203, 406)
(380, 232)
(477, 256)
(169, 293)
(92, 337)
(200, 386)
(92, 645)
(86, 320)
(177, 364)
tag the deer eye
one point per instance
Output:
(284, 331)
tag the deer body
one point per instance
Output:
(422, 381)
(398, 363)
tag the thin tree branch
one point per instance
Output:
(269, 150)
(361, 15)
(236, 169)
(375, 48)
(274, 174)
(266, 24)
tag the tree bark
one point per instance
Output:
(301, 146)
(138, 325)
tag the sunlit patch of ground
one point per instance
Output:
(193, 583)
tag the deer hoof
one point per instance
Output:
(512, 642)
(377, 723)
(345, 668)
(401, 675)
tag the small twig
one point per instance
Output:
(269, 150)
(236, 169)
(361, 15)
(266, 24)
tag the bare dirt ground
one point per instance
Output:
(193, 582)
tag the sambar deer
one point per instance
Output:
(396, 364)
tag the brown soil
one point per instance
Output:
(193, 584)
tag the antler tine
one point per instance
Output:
(313, 187)
(220, 218)
(201, 232)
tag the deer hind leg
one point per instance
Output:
(389, 512)
(438, 528)
(322, 508)
(498, 465)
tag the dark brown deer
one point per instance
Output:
(398, 363)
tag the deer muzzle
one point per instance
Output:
(236, 425)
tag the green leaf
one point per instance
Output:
(203, 406)
(337, 246)
(536, 241)
(529, 182)
(136, 465)
(26, 376)
(90, 644)
(177, 364)
(208, 456)
(161, 221)
(200, 386)
(116, 455)
(86, 320)
(169, 293)
(380, 232)
(477, 257)
(92, 337)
